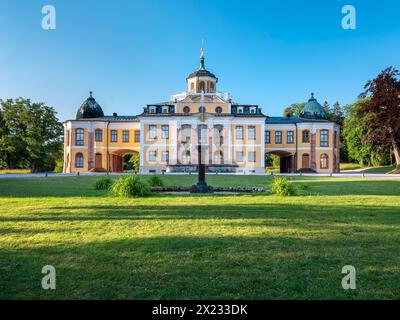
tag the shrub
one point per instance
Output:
(304, 187)
(156, 181)
(59, 166)
(282, 187)
(130, 186)
(104, 183)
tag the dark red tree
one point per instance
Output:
(383, 111)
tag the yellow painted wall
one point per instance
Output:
(210, 107)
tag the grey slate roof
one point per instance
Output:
(291, 120)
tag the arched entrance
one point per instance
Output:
(286, 161)
(120, 160)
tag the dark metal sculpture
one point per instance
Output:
(201, 185)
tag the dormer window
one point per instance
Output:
(165, 109)
(152, 110)
(252, 110)
(240, 110)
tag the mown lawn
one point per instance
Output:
(182, 247)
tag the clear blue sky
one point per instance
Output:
(130, 53)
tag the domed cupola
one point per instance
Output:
(89, 109)
(313, 110)
(202, 80)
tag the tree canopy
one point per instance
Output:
(30, 135)
(382, 111)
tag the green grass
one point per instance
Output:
(181, 247)
(379, 170)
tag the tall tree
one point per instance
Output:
(382, 110)
(32, 135)
(354, 131)
(327, 109)
(337, 113)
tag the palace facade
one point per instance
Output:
(233, 137)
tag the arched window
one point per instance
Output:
(202, 86)
(211, 86)
(186, 109)
(324, 161)
(306, 136)
(218, 134)
(202, 109)
(305, 161)
(186, 157)
(186, 132)
(218, 110)
(202, 133)
(79, 160)
(218, 157)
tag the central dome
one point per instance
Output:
(313, 110)
(202, 71)
(202, 80)
(89, 109)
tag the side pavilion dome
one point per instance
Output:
(313, 110)
(89, 109)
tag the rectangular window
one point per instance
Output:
(125, 136)
(239, 133)
(79, 137)
(306, 136)
(252, 133)
(252, 156)
(278, 137)
(137, 136)
(165, 132)
(67, 137)
(267, 136)
(99, 135)
(165, 156)
(290, 137)
(114, 135)
(324, 138)
(239, 156)
(153, 156)
(152, 131)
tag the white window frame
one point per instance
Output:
(152, 131)
(165, 156)
(239, 158)
(251, 132)
(165, 133)
(153, 155)
(237, 131)
(253, 153)
(165, 109)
